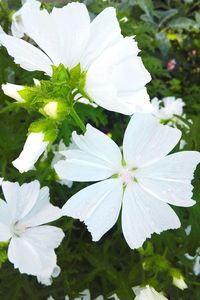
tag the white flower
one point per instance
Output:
(168, 108)
(142, 182)
(148, 293)
(115, 74)
(33, 148)
(179, 282)
(12, 90)
(22, 215)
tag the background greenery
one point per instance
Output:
(165, 30)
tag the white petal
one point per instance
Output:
(130, 75)
(12, 90)
(48, 280)
(137, 101)
(17, 27)
(146, 140)
(143, 215)
(43, 211)
(26, 55)
(97, 143)
(169, 179)
(116, 74)
(81, 166)
(73, 29)
(104, 32)
(44, 237)
(5, 222)
(98, 206)
(24, 256)
(33, 148)
(63, 34)
(196, 267)
(38, 24)
(149, 293)
(22, 198)
(98, 158)
(33, 253)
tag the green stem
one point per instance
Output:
(76, 118)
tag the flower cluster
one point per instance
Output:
(85, 62)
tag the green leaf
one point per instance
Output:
(182, 23)
(166, 15)
(197, 17)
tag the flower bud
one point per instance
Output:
(33, 148)
(55, 109)
(178, 280)
(12, 90)
(51, 109)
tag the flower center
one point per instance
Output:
(127, 175)
(18, 229)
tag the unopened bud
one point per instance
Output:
(51, 109)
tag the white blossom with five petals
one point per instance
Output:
(115, 74)
(22, 215)
(142, 181)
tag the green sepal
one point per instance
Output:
(60, 73)
(75, 75)
(34, 96)
(47, 126)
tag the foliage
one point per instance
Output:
(164, 30)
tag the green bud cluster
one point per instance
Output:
(54, 99)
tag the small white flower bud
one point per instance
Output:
(33, 148)
(51, 109)
(179, 282)
(12, 90)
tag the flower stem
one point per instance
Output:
(76, 118)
